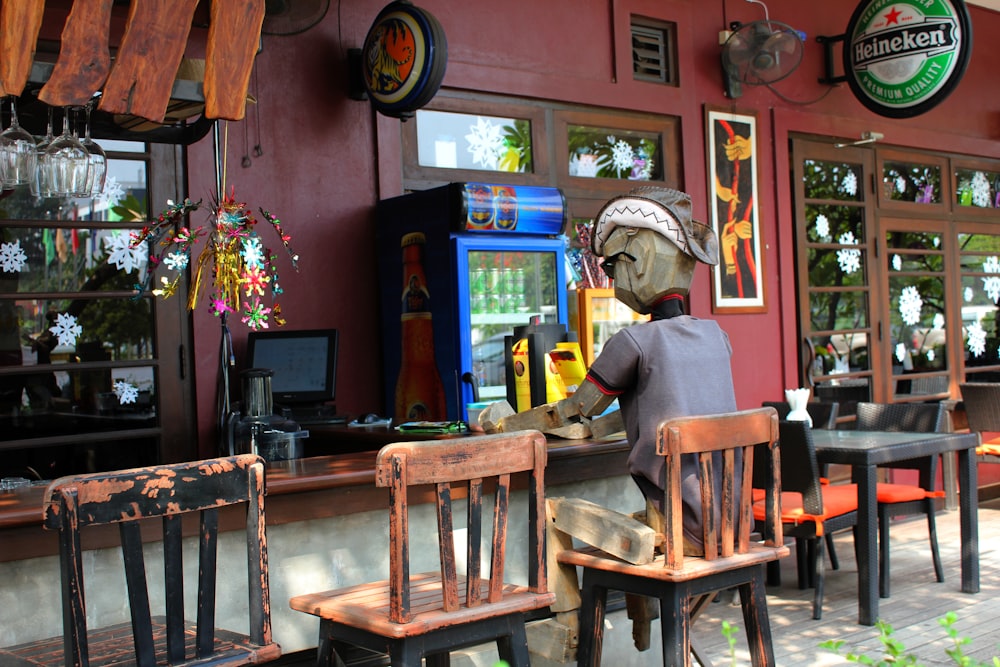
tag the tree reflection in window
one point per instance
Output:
(451, 140)
(600, 152)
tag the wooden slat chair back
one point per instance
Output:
(899, 499)
(810, 509)
(412, 616)
(982, 412)
(165, 493)
(724, 448)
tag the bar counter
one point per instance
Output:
(327, 527)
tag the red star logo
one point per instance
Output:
(893, 17)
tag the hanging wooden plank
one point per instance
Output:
(233, 39)
(146, 64)
(19, 25)
(84, 57)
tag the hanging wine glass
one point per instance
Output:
(17, 149)
(40, 182)
(66, 162)
(98, 159)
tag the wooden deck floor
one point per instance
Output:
(913, 610)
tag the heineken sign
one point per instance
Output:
(903, 57)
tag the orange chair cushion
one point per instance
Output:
(990, 446)
(837, 499)
(903, 493)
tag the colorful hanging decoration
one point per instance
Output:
(240, 268)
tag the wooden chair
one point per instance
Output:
(982, 412)
(824, 413)
(411, 616)
(731, 559)
(165, 492)
(895, 499)
(809, 508)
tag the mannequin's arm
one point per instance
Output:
(567, 418)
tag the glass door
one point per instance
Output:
(835, 234)
(505, 283)
(916, 333)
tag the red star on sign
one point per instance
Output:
(893, 16)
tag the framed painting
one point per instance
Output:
(738, 279)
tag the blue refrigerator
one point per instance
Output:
(493, 257)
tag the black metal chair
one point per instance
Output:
(810, 509)
(824, 416)
(981, 401)
(896, 499)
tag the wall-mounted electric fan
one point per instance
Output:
(759, 53)
(291, 17)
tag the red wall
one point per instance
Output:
(327, 159)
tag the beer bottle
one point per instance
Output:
(419, 391)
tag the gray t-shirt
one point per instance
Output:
(676, 367)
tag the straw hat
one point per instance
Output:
(665, 211)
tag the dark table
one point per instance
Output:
(864, 451)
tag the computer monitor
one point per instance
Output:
(304, 364)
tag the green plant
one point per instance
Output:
(895, 653)
(729, 632)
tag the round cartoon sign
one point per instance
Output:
(903, 57)
(404, 59)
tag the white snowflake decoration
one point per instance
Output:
(584, 166)
(253, 252)
(900, 352)
(900, 184)
(12, 257)
(122, 254)
(910, 304)
(968, 294)
(897, 262)
(938, 321)
(112, 192)
(66, 329)
(126, 392)
(176, 261)
(991, 284)
(980, 190)
(850, 184)
(930, 355)
(848, 258)
(485, 143)
(822, 227)
(936, 241)
(622, 155)
(977, 339)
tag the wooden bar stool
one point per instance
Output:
(731, 559)
(415, 616)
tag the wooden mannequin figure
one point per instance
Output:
(674, 365)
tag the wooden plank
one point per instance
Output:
(143, 75)
(562, 578)
(233, 39)
(551, 640)
(84, 57)
(19, 25)
(612, 532)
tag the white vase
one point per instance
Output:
(797, 401)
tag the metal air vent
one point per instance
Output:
(653, 51)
